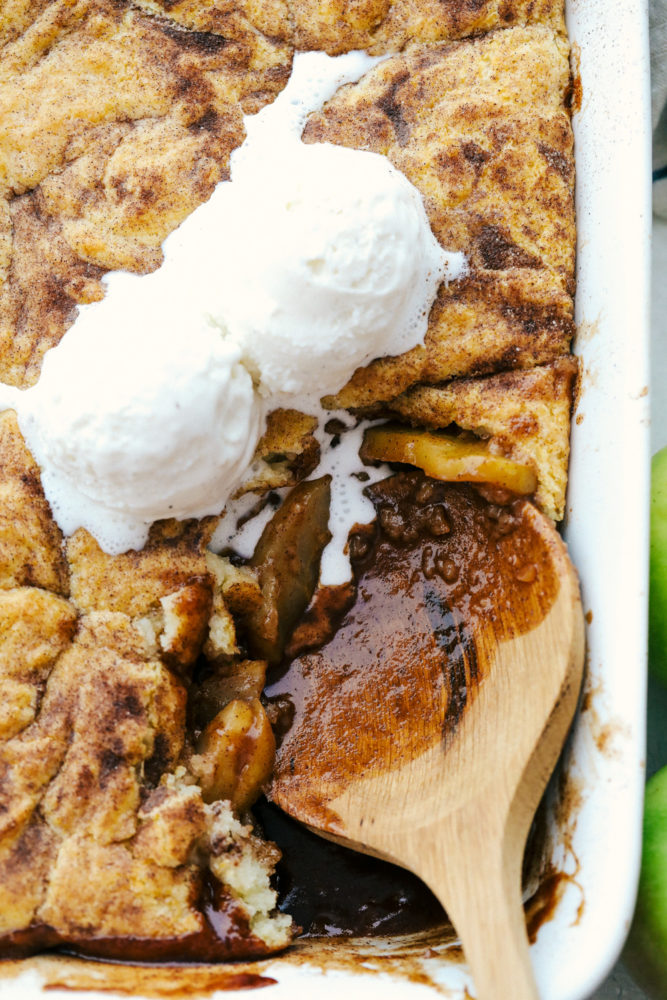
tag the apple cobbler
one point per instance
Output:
(135, 734)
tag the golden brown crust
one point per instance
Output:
(115, 64)
(383, 26)
(31, 549)
(135, 582)
(17, 15)
(482, 131)
(35, 627)
(97, 729)
(45, 283)
(110, 722)
(151, 115)
(524, 414)
(379, 26)
(97, 835)
(160, 905)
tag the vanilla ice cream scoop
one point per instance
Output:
(142, 412)
(328, 263)
(311, 261)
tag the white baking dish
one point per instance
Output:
(595, 829)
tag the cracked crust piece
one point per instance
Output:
(525, 415)
(103, 837)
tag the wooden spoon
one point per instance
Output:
(425, 729)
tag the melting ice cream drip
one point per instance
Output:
(339, 458)
(349, 479)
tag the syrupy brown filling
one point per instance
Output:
(438, 579)
(428, 577)
(331, 891)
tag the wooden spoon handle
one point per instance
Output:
(481, 891)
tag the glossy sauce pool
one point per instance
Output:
(432, 594)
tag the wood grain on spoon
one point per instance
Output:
(426, 727)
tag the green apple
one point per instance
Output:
(658, 568)
(646, 950)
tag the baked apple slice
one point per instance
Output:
(447, 457)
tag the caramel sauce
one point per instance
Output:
(331, 891)
(433, 593)
(542, 906)
(151, 982)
